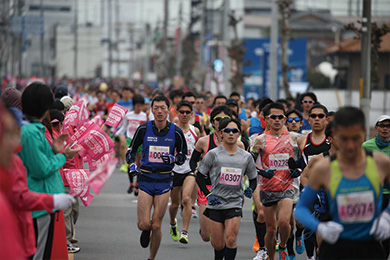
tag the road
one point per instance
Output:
(107, 229)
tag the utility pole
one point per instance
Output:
(42, 42)
(101, 13)
(179, 43)
(20, 42)
(147, 58)
(273, 74)
(225, 42)
(109, 9)
(75, 39)
(365, 80)
(117, 32)
(131, 49)
(201, 33)
(164, 41)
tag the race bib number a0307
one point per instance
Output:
(155, 153)
(278, 161)
(230, 176)
(356, 207)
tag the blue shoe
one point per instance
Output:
(299, 245)
(291, 257)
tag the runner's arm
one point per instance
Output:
(123, 127)
(195, 157)
(180, 145)
(135, 143)
(202, 183)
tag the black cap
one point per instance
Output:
(60, 91)
(231, 101)
(56, 116)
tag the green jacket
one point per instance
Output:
(370, 145)
(41, 163)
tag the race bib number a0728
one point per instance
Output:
(278, 161)
(356, 207)
(155, 153)
(230, 176)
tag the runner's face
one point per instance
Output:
(230, 138)
(307, 103)
(160, 111)
(192, 100)
(317, 123)
(183, 115)
(277, 123)
(294, 126)
(349, 140)
(220, 102)
(383, 129)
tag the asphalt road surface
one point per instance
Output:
(107, 229)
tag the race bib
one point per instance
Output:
(278, 161)
(356, 207)
(230, 176)
(155, 153)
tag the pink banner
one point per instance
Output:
(98, 119)
(116, 115)
(93, 164)
(103, 172)
(96, 142)
(77, 182)
(72, 116)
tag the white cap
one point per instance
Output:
(382, 118)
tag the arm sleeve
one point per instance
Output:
(302, 211)
(21, 197)
(180, 141)
(195, 157)
(253, 183)
(39, 158)
(135, 143)
(123, 127)
(202, 184)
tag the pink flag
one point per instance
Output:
(96, 142)
(116, 115)
(72, 116)
(103, 172)
(93, 164)
(77, 182)
(98, 119)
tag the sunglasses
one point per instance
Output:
(192, 102)
(296, 119)
(184, 112)
(280, 117)
(383, 126)
(219, 118)
(199, 102)
(230, 130)
(314, 116)
(308, 101)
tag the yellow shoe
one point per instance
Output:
(124, 167)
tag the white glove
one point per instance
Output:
(380, 229)
(330, 231)
(63, 201)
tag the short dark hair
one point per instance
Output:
(188, 94)
(319, 106)
(57, 105)
(218, 110)
(282, 101)
(294, 111)
(37, 98)
(224, 122)
(161, 98)
(331, 113)
(264, 102)
(138, 99)
(219, 96)
(157, 91)
(328, 129)
(235, 94)
(349, 116)
(267, 108)
(184, 103)
(175, 93)
(129, 89)
(309, 94)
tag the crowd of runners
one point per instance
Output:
(317, 187)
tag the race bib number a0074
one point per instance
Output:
(356, 207)
(155, 153)
(230, 176)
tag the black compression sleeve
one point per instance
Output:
(202, 183)
(253, 184)
(194, 160)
